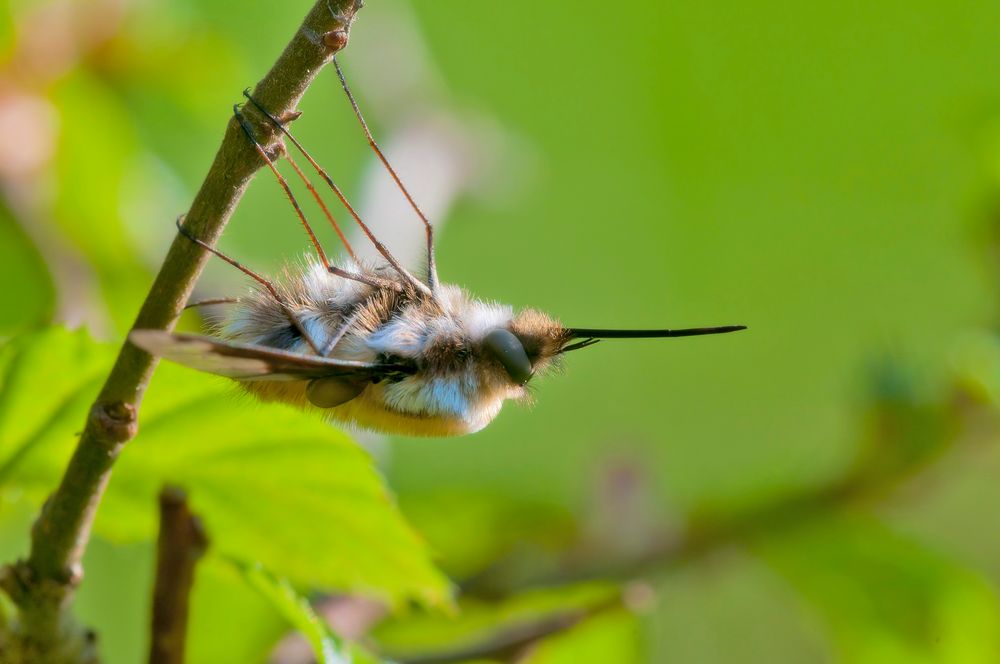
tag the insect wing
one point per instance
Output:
(252, 362)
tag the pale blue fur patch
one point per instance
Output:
(437, 396)
(403, 336)
(447, 397)
(408, 335)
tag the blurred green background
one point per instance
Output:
(826, 173)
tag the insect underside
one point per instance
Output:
(374, 346)
(438, 375)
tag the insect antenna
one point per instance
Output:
(381, 248)
(333, 269)
(590, 333)
(428, 227)
(591, 336)
(578, 345)
(292, 318)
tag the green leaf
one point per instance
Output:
(230, 621)
(47, 381)
(327, 646)
(886, 598)
(502, 524)
(611, 637)
(976, 363)
(271, 483)
(96, 161)
(32, 301)
(6, 28)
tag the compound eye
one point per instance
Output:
(509, 351)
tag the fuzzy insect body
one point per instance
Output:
(449, 380)
(374, 346)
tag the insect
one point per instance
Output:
(376, 346)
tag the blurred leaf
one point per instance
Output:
(478, 622)
(271, 483)
(97, 151)
(177, 78)
(976, 362)
(888, 599)
(733, 607)
(327, 646)
(906, 429)
(7, 33)
(115, 600)
(47, 381)
(245, 27)
(32, 300)
(16, 517)
(231, 623)
(612, 637)
(501, 524)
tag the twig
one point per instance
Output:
(908, 438)
(510, 643)
(508, 575)
(182, 541)
(42, 586)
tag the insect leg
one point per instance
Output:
(322, 205)
(248, 130)
(428, 227)
(211, 301)
(341, 331)
(381, 248)
(292, 318)
(333, 269)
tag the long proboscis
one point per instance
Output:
(590, 336)
(588, 333)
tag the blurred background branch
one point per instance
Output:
(181, 543)
(906, 434)
(513, 642)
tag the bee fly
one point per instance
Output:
(374, 345)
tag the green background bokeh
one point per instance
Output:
(822, 172)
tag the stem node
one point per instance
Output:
(114, 423)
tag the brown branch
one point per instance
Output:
(510, 643)
(182, 541)
(42, 586)
(907, 438)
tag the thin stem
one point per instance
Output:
(182, 541)
(864, 482)
(42, 585)
(513, 643)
